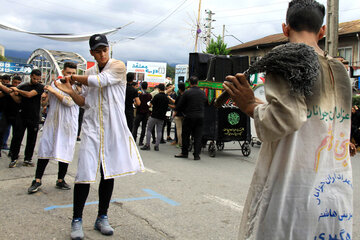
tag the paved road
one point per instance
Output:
(173, 199)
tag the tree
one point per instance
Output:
(170, 71)
(4, 59)
(217, 47)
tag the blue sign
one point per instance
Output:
(20, 68)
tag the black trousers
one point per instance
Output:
(80, 120)
(81, 192)
(140, 118)
(193, 127)
(32, 127)
(130, 118)
(5, 122)
(167, 123)
(41, 165)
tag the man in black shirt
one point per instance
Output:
(10, 109)
(192, 105)
(160, 104)
(131, 97)
(142, 113)
(29, 95)
(7, 105)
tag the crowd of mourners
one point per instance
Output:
(156, 110)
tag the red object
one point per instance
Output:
(89, 64)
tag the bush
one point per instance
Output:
(356, 100)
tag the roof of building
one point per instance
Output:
(344, 29)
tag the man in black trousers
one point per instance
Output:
(192, 105)
(131, 97)
(29, 95)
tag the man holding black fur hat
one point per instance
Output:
(302, 185)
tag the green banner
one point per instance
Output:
(211, 95)
(207, 84)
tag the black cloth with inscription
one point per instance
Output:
(30, 107)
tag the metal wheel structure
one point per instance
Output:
(245, 149)
(220, 145)
(212, 149)
(50, 63)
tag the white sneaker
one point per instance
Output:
(76, 229)
(102, 225)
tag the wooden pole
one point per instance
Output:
(197, 27)
(332, 30)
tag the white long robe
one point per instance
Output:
(106, 139)
(60, 129)
(302, 184)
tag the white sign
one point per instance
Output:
(151, 72)
(181, 74)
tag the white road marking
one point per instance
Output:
(150, 170)
(226, 202)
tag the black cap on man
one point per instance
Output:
(98, 40)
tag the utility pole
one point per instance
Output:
(223, 36)
(208, 26)
(197, 27)
(332, 31)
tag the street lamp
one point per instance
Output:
(234, 37)
(112, 43)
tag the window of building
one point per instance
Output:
(346, 52)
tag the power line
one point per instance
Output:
(250, 23)
(252, 13)
(146, 32)
(281, 10)
(257, 6)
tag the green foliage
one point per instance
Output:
(4, 59)
(356, 100)
(217, 47)
(170, 71)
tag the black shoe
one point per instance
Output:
(12, 164)
(181, 156)
(78, 139)
(145, 147)
(169, 139)
(154, 141)
(62, 185)
(28, 163)
(156, 148)
(34, 187)
(196, 157)
(141, 144)
(162, 141)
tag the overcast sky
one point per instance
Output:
(170, 41)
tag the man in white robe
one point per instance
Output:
(106, 143)
(59, 133)
(302, 184)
